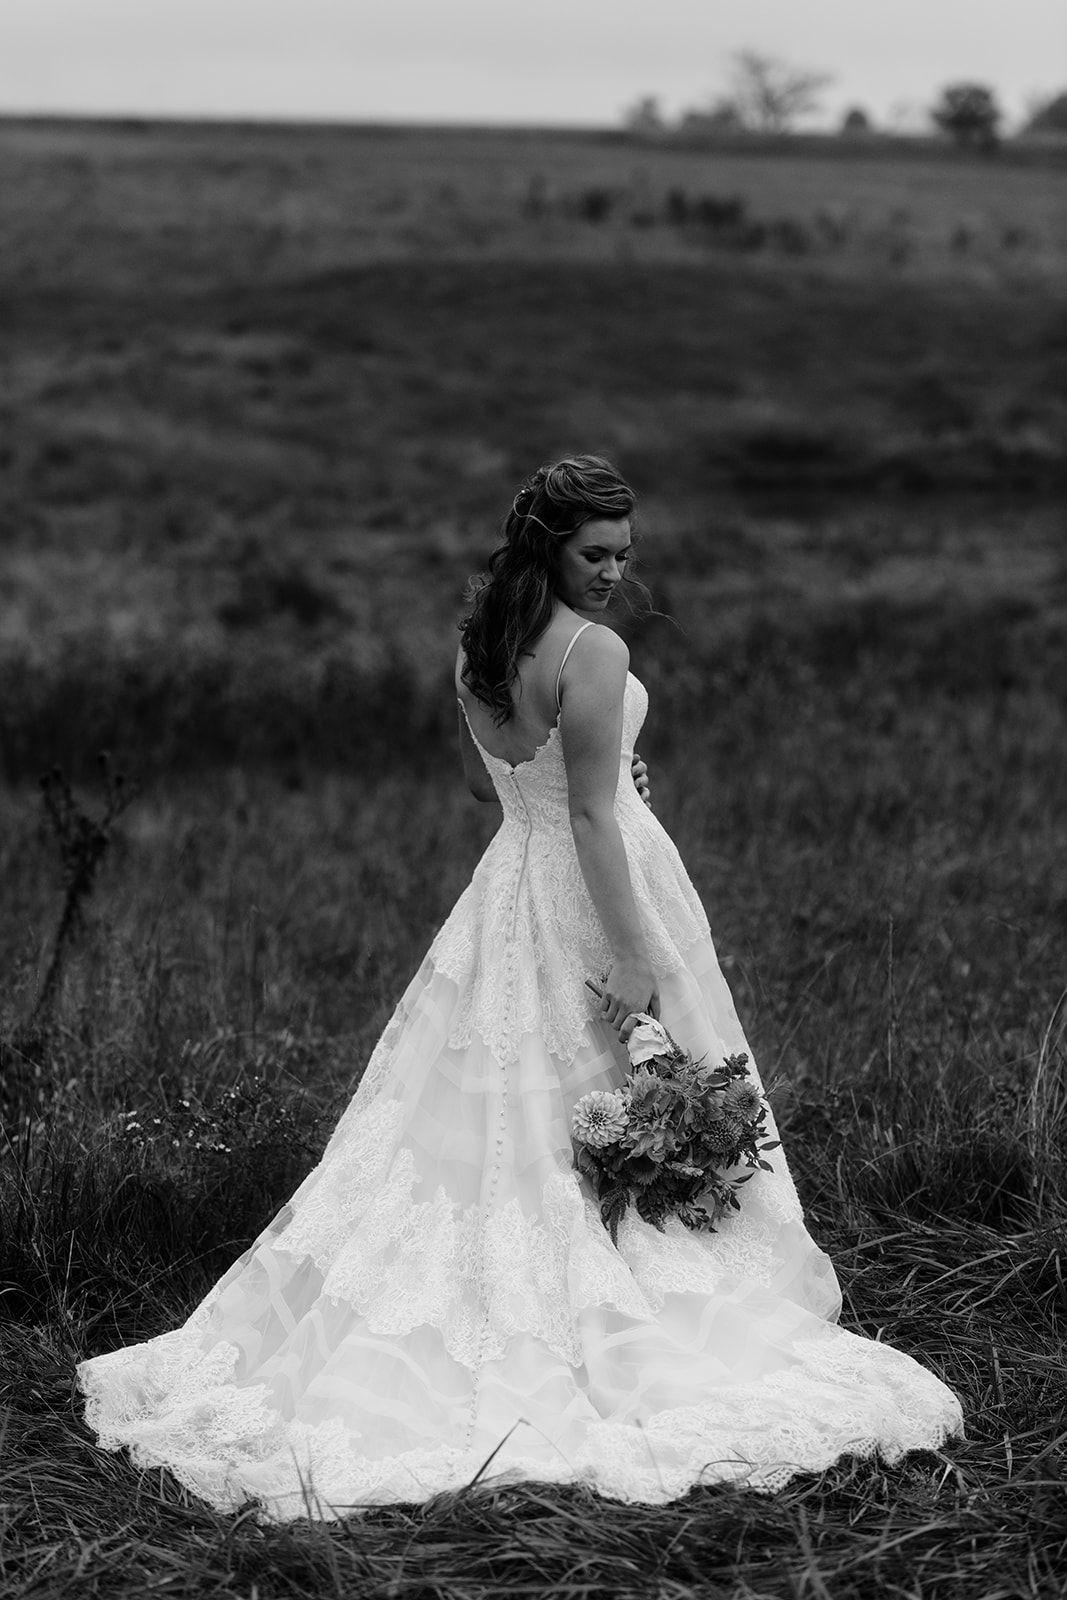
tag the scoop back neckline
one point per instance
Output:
(527, 761)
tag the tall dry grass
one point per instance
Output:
(882, 858)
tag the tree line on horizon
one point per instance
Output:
(767, 95)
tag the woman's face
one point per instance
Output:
(592, 563)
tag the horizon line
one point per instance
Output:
(286, 120)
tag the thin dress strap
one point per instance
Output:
(563, 663)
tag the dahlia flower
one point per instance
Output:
(600, 1118)
(743, 1099)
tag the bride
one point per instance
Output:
(440, 1293)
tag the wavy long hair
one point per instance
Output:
(511, 601)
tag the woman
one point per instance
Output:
(440, 1292)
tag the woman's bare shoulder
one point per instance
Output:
(602, 645)
(595, 670)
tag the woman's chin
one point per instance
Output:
(587, 605)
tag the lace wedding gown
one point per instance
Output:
(441, 1287)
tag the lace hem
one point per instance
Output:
(841, 1395)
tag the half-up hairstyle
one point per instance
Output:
(511, 601)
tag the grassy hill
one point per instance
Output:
(265, 393)
(259, 383)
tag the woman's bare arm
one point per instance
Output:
(479, 782)
(591, 730)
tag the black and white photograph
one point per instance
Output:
(533, 800)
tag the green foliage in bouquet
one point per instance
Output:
(670, 1139)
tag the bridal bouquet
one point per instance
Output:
(668, 1139)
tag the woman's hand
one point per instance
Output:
(629, 988)
(639, 773)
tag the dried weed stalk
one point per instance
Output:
(83, 843)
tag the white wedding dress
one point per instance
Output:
(441, 1291)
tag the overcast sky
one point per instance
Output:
(543, 61)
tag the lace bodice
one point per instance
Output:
(525, 935)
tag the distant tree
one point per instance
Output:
(856, 120)
(969, 112)
(1049, 116)
(770, 95)
(645, 116)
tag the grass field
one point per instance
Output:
(265, 394)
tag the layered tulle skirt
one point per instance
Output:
(440, 1299)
